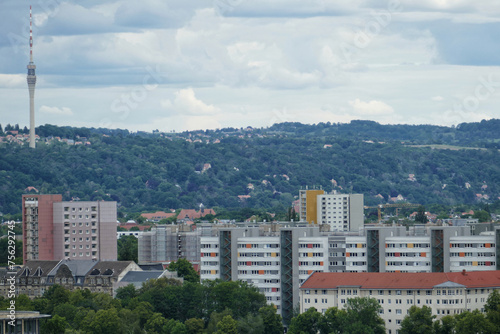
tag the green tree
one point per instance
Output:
(482, 216)
(126, 293)
(306, 323)
(105, 321)
(362, 316)
(492, 308)
(156, 324)
(421, 216)
(184, 269)
(227, 326)
(250, 324)
(418, 321)
(446, 325)
(55, 295)
(272, 320)
(128, 248)
(332, 321)
(54, 325)
(474, 322)
(194, 326)
(215, 318)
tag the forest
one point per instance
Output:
(256, 168)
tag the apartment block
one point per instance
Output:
(444, 293)
(85, 230)
(308, 205)
(167, 243)
(38, 237)
(342, 212)
(278, 258)
(56, 230)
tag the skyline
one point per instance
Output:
(235, 63)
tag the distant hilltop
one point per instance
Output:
(255, 167)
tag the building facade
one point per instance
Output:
(38, 220)
(444, 293)
(167, 243)
(56, 230)
(278, 258)
(36, 277)
(342, 212)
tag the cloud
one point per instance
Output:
(56, 111)
(371, 108)
(185, 102)
(12, 80)
(437, 98)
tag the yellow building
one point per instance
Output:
(309, 205)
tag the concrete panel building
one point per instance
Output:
(56, 230)
(277, 258)
(342, 212)
(167, 243)
(85, 230)
(38, 229)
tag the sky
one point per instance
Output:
(177, 65)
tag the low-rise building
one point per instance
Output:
(36, 277)
(445, 293)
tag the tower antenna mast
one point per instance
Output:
(31, 86)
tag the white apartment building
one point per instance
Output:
(444, 293)
(278, 258)
(342, 212)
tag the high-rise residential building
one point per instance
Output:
(56, 230)
(38, 231)
(342, 212)
(85, 230)
(167, 243)
(278, 258)
(308, 205)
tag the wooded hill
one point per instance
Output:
(262, 168)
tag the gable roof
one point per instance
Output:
(77, 267)
(473, 279)
(193, 214)
(37, 268)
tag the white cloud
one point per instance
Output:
(185, 102)
(56, 111)
(371, 108)
(12, 80)
(247, 63)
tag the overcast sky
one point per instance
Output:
(205, 64)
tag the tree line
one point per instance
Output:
(267, 166)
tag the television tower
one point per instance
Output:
(31, 85)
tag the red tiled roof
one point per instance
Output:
(129, 226)
(157, 215)
(193, 214)
(471, 279)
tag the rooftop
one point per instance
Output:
(469, 280)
